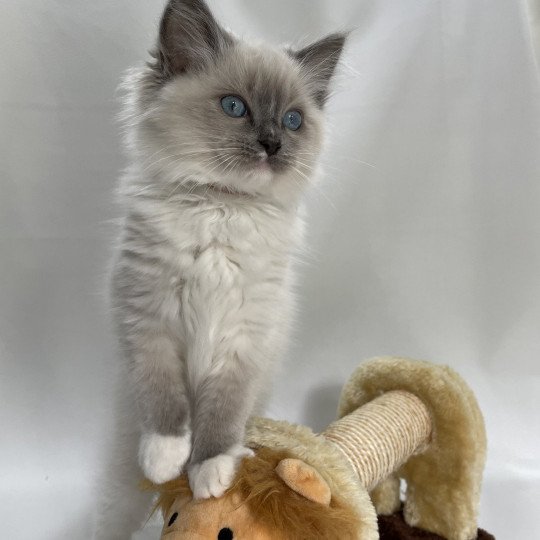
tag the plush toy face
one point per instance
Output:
(225, 518)
(274, 497)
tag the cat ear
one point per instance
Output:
(189, 37)
(319, 61)
(304, 480)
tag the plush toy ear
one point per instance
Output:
(304, 480)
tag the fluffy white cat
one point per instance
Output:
(224, 137)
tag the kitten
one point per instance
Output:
(224, 137)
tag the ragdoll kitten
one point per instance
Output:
(224, 136)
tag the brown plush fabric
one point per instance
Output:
(394, 528)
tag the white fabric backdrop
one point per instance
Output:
(433, 252)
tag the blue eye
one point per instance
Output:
(292, 120)
(233, 106)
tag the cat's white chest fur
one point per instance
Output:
(229, 277)
(216, 240)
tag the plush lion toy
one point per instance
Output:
(275, 496)
(399, 419)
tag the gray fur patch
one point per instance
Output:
(189, 37)
(319, 60)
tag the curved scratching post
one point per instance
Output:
(381, 435)
(443, 481)
(398, 419)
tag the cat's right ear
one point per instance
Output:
(189, 37)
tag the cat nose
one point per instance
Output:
(271, 146)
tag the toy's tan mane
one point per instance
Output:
(273, 504)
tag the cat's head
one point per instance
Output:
(231, 116)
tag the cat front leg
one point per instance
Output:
(162, 401)
(223, 403)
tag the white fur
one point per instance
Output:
(214, 476)
(242, 276)
(162, 457)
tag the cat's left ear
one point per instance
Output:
(319, 61)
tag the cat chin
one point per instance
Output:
(222, 189)
(261, 176)
(257, 181)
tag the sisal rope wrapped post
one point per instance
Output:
(380, 436)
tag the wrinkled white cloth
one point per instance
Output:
(430, 249)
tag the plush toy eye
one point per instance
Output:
(225, 534)
(173, 519)
(292, 120)
(233, 106)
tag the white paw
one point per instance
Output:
(213, 477)
(162, 457)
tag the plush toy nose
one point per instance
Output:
(272, 146)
